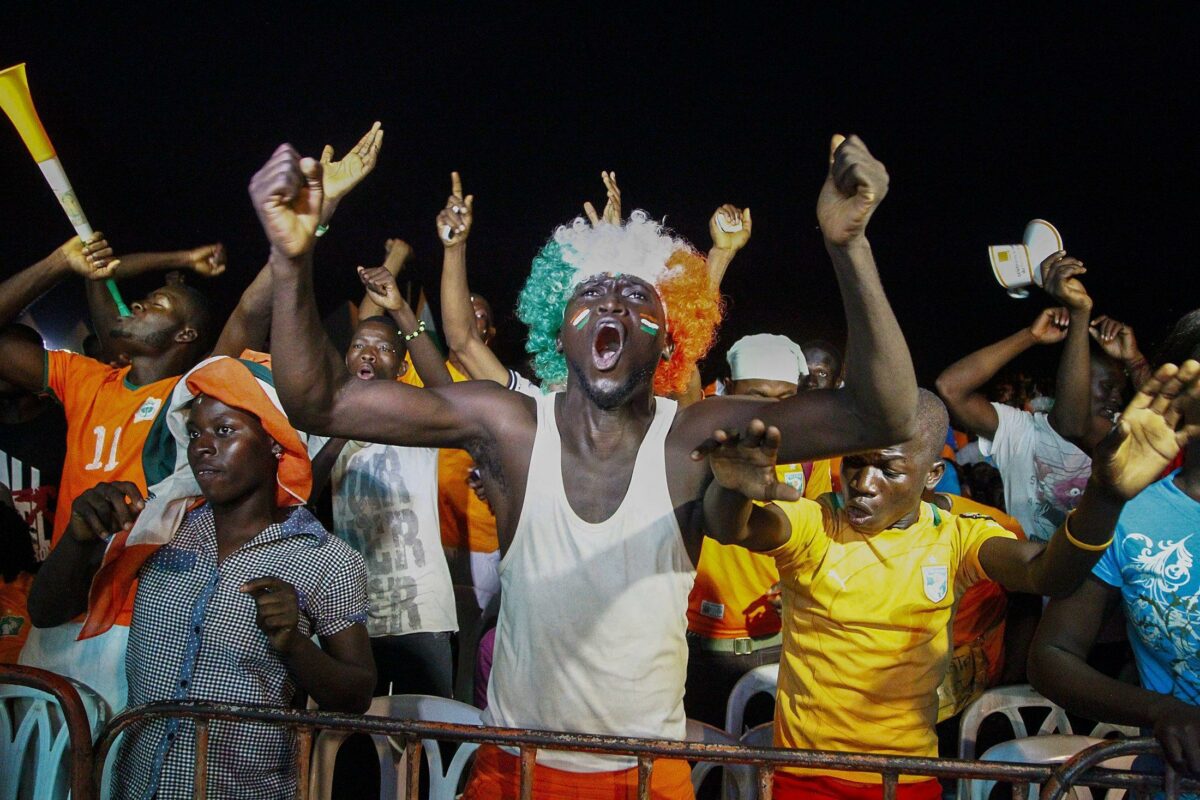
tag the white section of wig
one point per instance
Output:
(639, 247)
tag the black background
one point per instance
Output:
(986, 117)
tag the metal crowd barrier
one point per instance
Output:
(1057, 780)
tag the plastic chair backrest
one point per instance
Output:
(759, 679)
(34, 740)
(1008, 701)
(443, 784)
(1049, 749)
(737, 779)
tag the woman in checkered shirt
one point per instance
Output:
(226, 607)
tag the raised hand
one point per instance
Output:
(854, 187)
(1060, 280)
(744, 462)
(104, 510)
(612, 207)
(1051, 326)
(396, 253)
(381, 287)
(1115, 338)
(287, 195)
(1145, 440)
(339, 177)
(208, 261)
(729, 227)
(92, 259)
(454, 221)
(277, 611)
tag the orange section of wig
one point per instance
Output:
(694, 310)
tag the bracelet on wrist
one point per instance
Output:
(408, 337)
(1136, 364)
(1091, 548)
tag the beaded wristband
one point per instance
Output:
(408, 337)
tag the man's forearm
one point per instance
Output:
(1068, 680)
(60, 589)
(426, 358)
(969, 374)
(308, 372)
(1072, 401)
(726, 514)
(135, 264)
(458, 321)
(1062, 566)
(879, 369)
(19, 291)
(719, 260)
(250, 323)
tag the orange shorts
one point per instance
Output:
(826, 787)
(497, 776)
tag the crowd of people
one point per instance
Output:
(641, 540)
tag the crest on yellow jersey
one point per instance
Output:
(936, 581)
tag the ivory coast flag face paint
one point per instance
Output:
(649, 325)
(581, 317)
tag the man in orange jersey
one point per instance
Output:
(871, 576)
(109, 415)
(733, 626)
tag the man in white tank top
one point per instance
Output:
(596, 489)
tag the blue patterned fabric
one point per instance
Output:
(1150, 562)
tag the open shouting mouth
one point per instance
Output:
(607, 344)
(365, 372)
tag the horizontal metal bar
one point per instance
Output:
(580, 742)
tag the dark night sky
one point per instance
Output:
(985, 119)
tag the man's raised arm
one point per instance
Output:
(316, 390)
(21, 361)
(960, 383)
(458, 313)
(877, 406)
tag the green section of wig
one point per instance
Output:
(541, 306)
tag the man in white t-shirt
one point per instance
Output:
(385, 505)
(1043, 457)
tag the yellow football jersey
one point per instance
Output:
(866, 628)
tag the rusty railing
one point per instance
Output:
(88, 762)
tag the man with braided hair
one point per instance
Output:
(596, 495)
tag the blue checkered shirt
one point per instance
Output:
(194, 637)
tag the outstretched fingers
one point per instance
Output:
(1187, 400)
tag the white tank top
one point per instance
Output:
(592, 617)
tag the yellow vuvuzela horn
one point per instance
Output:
(18, 105)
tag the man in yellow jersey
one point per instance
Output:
(871, 576)
(733, 626)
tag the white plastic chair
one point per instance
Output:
(443, 784)
(704, 733)
(1008, 701)
(759, 679)
(1051, 749)
(34, 740)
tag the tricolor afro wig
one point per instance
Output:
(640, 247)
